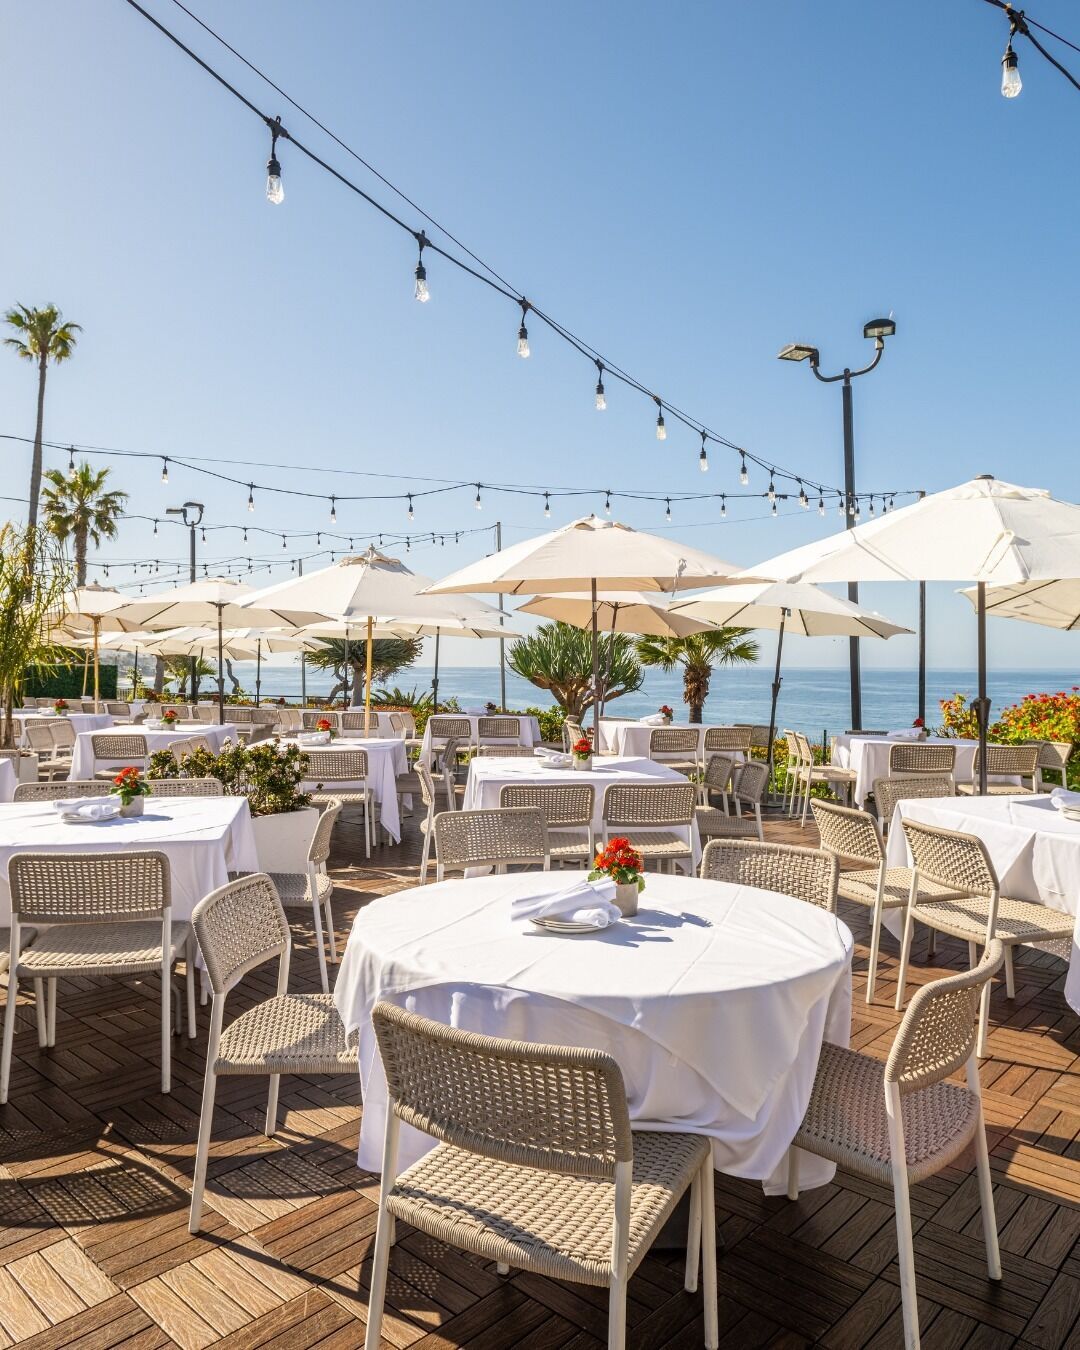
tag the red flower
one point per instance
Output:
(323, 724)
(582, 746)
(918, 722)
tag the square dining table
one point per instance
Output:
(84, 765)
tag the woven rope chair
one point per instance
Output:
(288, 721)
(677, 747)
(107, 914)
(89, 706)
(810, 773)
(854, 838)
(641, 811)
(117, 751)
(311, 717)
(263, 723)
(442, 730)
(187, 787)
(748, 789)
(902, 1122)
(716, 778)
(51, 763)
(504, 729)
(912, 757)
(427, 824)
(313, 887)
(180, 709)
(63, 736)
(492, 838)
(505, 751)
(908, 787)
(237, 714)
(52, 792)
(791, 772)
(404, 725)
(726, 739)
(1014, 761)
(240, 927)
(807, 874)
(1054, 758)
(976, 910)
(448, 767)
(568, 813)
(536, 1166)
(202, 714)
(327, 767)
(118, 709)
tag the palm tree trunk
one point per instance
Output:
(80, 557)
(35, 465)
(159, 676)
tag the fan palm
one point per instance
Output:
(698, 654)
(44, 336)
(78, 506)
(558, 658)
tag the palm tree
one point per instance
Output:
(388, 656)
(558, 658)
(77, 506)
(697, 654)
(44, 336)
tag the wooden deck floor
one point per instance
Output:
(95, 1169)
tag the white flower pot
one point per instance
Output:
(626, 898)
(282, 841)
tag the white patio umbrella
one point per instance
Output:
(986, 531)
(1052, 604)
(358, 592)
(93, 610)
(795, 607)
(274, 641)
(590, 555)
(216, 601)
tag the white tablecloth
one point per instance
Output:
(714, 999)
(529, 734)
(869, 757)
(632, 738)
(84, 765)
(386, 759)
(204, 838)
(79, 721)
(9, 779)
(488, 774)
(1035, 851)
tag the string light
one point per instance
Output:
(871, 506)
(821, 506)
(601, 399)
(478, 503)
(165, 469)
(71, 460)
(1011, 83)
(547, 507)
(840, 504)
(703, 458)
(411, 515)
(667, 513)
(251, 496)
(744, 477)
(275, 192)
(855, 509)
(204, 534)
(774, 507)
(661, 429)
(420, 290)
(333, 510)
(804, 500)
(283, 541)
(772, 491)
(523, 332)
(607, 505)
(155, 527)
(723, 505)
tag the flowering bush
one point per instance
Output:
(621, 863)
(958, 719)
(129, 783)
(581, 749)
(1037, 717)
(267, 774)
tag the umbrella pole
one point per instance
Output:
(85, 671)
(435, 681)
(367, 681)
(220, 673)
(777, 681)
(134, 677)
(258, 669)
(610, 655)
(348, 667)
(595, 673)
(982, 703)
(97, 666)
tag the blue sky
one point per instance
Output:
(689, 187)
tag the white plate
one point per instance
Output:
(73, 819)
(566, 927)
(1071, 812)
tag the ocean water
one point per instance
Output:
(811, 700)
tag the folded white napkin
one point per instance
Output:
(654, 720)
(542, 752)
(905, 734)
(1062, 799)
(588, 902)
(476, 712)
(89, 808)
(313, 737)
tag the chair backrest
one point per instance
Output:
(673, 740)
(354, 721)
(10, 754)
(808, 874)
(794, 750)
(427, 785)
(921, 757)
(186, 787)
(62, 733)
(759, 736)
(543, 1106)
(853, 836)
(29, 701)
(951, 858)
(750, 780)
(718, 771)
(89, 887)
(403, 723)
(1054, 755)
(89, 706)
(443, 728)
(241, 926)
(311, 717)
(505, 727)
(487, 838)
(1017, 761)
(239, 716)
(52, 792)
(806, 750)
(319, 848)
(937, 1035)
(630, 804)
(889, 791)
(205, 714)
(336, 766)
(288, 719)
(727, 738)
(180, 709)
(117, 709)
(506, 751)
(449, 754)
(40, 737)
(561, 803)
(109, 747)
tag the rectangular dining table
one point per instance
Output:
(528, 731)
(78, 721)
(869, 757)
(386, 759)
(84, 765)
(633, 738)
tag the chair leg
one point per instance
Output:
(272, 1105)
(986, 1189)
(166, 1024)
(905, 1251)
(380, 1258)
(693, 1237)
(206, 1119)
(189, 985)
(973, 955)
(984, 1019)
(51, 1009)
(905, 954)
(316, 917)
(875, 947)
(931, 947)
(1010, 979)
(328, 916)
(9, 1035)
(793, 1173)
(425, 855)
(501, 1268)
(41, 1012)
(708, 1256)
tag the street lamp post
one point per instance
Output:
(192, 523)
(879, 330)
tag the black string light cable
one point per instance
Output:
(487, 275)
(1020, 25)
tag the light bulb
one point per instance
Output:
(668, 512)
(723, 505)
(523, 341)
(774, 506)
(607, 505)
(274, 191)
(478, 503)
(71, 460)
(661, 429)
(821, 506)
(409, 495)
(871, 506)
(204, 534)
(772, 492)
(804, 501)
(155, 527)
(744, 477)
(547, 505)
(1011, 84)
(854, 509)
(840, 504)
(251, 496)
(282, 541)
(333, 511)
(703, 458)
(420, 290)
(165, 470)
(601, 400)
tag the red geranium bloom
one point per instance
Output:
(582, 746)
(323, 724)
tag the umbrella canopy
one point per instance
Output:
(200, 642)
(92, 610)
(1053, 604)
(986, 531)
(618, 612)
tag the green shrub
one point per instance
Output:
(67, 681)
(267, 774)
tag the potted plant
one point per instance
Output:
(623, 865)
(921, 725)
(324, 724)
(131, 787)
(169, 717)
(60, 707)
(582, 753)
(269, 775)
(667, 714)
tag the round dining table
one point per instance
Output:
(714, 1000)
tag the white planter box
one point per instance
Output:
(282, 841)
